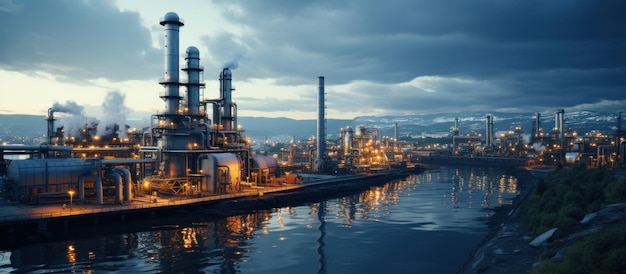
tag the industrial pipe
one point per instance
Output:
(128, 183)
(118, 186)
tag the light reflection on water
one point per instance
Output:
(427, 222)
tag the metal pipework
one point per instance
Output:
(171, 23)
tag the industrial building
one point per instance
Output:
(193, 147)
(544, 147)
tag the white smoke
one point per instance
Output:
(538, 147)
(69, 107)
(115, 113)
(73, 123)
(526, 138)
(235, 59)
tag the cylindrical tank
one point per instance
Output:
(360, 131)
(221, 172)
(265, 162)
(347, 141)
(264, 168)
(173, 145)
(46, 175)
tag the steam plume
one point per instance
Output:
(235, 59)
(539, 147)
(69, 107)
(73, 123)
(115, 113)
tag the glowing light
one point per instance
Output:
(71, 193)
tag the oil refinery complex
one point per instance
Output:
(558, 145)
(195, 149)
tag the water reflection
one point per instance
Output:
(287, 239)
(320, 249)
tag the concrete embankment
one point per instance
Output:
(24, 222)
(310, 192)
(473, 161)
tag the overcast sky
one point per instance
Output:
(389, 57)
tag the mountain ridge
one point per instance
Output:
(19, 128)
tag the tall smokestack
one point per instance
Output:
(193, 70)
(226, 91)
(455, 129)
(489, 131)
(395, 133)
(171, 23)
(321, 126)
(50, 119)
(559, 123)
(536, 126)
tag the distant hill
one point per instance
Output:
(22, 128)
(14, 128)
(284, 129)
(441, 124)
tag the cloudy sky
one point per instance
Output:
(400, 57)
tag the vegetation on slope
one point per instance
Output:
(565, 195)
(561, 200)
(601, 252)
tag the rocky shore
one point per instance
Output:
(508, 248)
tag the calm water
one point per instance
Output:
(427, 223)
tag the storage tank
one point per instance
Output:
(347, 141)
(31, 177)
(265, 162)
(221, 172)
(263, 168)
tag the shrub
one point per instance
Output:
(565, 195)
(602, 252)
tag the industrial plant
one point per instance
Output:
(193, 148)
(542, 146)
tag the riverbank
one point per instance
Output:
(505, 248)
(579, 231)
(21, 223)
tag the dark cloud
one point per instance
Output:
(77, 39)
(408, 38)
(479, 55)
(538, 53)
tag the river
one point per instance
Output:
(425, 223)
